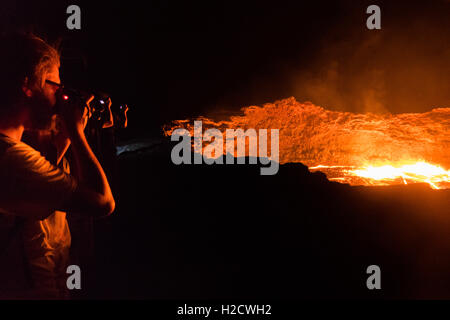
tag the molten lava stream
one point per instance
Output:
(359, 149)
(419, 172)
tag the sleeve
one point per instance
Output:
(30, 185)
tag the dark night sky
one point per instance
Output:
(171, 60)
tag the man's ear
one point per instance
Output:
(25, 88)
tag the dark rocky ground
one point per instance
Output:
(201, 232)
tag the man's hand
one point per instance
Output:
(110, 121)
(61, 139)
(87, 115)
(75, 115)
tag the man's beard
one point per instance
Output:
(41, 112)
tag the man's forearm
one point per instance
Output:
(61, 144)
(90, 172)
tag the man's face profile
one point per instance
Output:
(43, 100)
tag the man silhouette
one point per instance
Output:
(35, 193)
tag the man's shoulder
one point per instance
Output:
(8, 144)
(17, 155)
(5, 143)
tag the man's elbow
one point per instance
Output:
(91, 204)
(110, 206)
(106, 208)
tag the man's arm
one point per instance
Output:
(93, 195)
(60, 139)
(61, 143)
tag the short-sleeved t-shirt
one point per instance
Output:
(29, 183)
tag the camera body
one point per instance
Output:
(103, 114)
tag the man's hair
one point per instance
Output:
(22, 56)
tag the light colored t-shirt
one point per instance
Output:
(30, 184)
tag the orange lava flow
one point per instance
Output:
(354, 148)
(419, 172)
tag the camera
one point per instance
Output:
(103, 113)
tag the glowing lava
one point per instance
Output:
(419, 172)
(359, 149)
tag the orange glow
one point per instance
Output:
(419, 172)
(359, 149)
